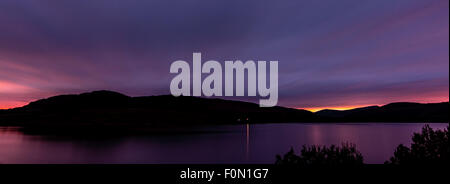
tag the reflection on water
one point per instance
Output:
(232, 144)
(247, 148)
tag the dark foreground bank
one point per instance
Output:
(222, 174)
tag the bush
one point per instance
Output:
(347, 155)
(428, 147)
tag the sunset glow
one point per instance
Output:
(315, 109)
(11, 104)
(7, 87)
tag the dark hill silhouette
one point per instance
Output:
(100, 108)
(393, 112)
(112, 109)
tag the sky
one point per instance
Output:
(332, 54)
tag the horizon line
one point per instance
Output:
(311, 109)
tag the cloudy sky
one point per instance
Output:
(331, 53)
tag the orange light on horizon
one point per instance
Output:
(11, 104)
(341, 108)
(434, 97)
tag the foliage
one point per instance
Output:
(428, 147)
(347, 155)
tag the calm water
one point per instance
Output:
(223, 144)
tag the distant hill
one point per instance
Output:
(393, 112)
(112, 109)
